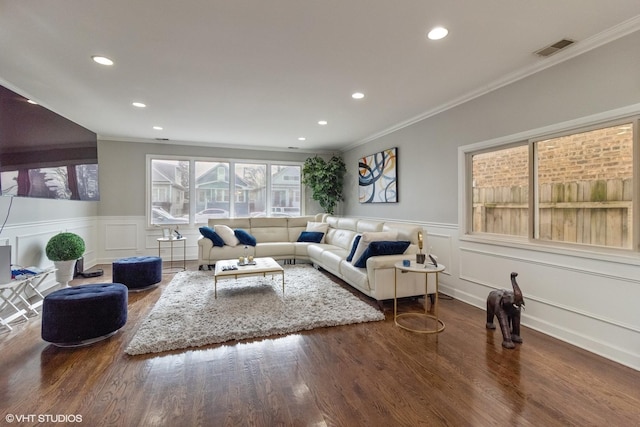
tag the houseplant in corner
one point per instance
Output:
(325, 178)
(64, 249)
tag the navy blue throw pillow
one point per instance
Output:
(382, 248)
(354, 247)
(211, 235)
(244, 237)
(311, 236)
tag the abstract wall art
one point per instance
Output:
(378, 177)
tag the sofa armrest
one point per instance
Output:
(204, 242)
(387, 261)
(204, 249)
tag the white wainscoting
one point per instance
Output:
(29, 240)
(590, 303)
(126, 236)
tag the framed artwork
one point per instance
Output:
(378, 177)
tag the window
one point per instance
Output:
(251, 189)
(222, 196)
(212, 190)
(169, 192)
(285, 190)
(575, 187)
(585, 187)
(501, 191)
(221, 189)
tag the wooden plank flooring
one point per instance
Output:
(372, 374)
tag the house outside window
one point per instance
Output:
(251, 189)
(215, 182)
(285, 190)
(212, 188)
(169, 202)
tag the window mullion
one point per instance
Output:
(232, 189)
(636, 185)
(534, 198)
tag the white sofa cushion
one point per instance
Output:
(227, 235)
(357, 277)
(296, 225)
(331, 259)
(372, 236)
(270, 230)
(278, 250)
(318, 226)
(314, 250)
(341, 238)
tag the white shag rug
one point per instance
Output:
(188, 315)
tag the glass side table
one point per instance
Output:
(171, 241)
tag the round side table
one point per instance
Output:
(425, 269)
(171, 241)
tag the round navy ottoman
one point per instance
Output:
(138, 273)
(82, 315)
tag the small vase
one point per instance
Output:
(64, 271)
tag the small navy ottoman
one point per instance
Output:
(82, 315)
(138, 273)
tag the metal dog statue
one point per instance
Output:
(506, 305)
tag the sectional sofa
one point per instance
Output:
(278, 238)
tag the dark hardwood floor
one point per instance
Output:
(371, 374)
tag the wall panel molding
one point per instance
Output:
(120, 237)
(559, 266)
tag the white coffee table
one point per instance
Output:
(261, 267)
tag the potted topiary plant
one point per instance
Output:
(64, 249)
(325, 178)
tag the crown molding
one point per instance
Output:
(609, 35)
(210, 144)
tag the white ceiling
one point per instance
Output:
(261, 73)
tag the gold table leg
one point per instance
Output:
(439, 323)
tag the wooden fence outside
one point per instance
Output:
(590, 212)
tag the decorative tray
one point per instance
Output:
(246, 263)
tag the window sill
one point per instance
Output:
(621, 256)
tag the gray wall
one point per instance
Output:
(123, 168)
(27, 210)
(600, 80)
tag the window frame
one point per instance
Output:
(530, 138)
(232, 181)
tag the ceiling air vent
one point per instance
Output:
(556, 47)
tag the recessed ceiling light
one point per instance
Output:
(438, 33)
(138, 104)
(357, 95)
(31, 101)
(157, 127)
(102, 60)
(302, 138)
(322, 122)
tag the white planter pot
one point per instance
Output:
(65, 270)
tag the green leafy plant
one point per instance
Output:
(65, 247)
(325, 178)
